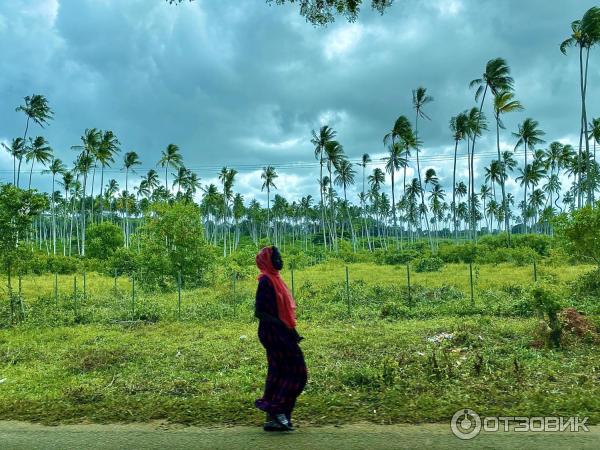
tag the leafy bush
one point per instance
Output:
(172, 242)
(394, 310)
(64, 265)
(399, 257)
(432, 264)
(578, 233)
(103, 239)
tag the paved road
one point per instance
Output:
(16, 435)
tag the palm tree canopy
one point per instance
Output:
(529, 134)
(420, 99)
(496, 77)
(37, 109)
(269, 175)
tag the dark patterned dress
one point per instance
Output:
(287, 374)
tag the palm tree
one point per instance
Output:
(269, 175)
(345, 176)
(476, 125)
(504, 103)
(56, 167)
(17, 150)
(130, 160)
(393, 162)
(319, 140)
(36, 108)
(227, 177)
(584, 34)
(529, 136)
(459, 127)
(334, 152)
(108, 148)
(39, 152)
(170, 158)
(181, 178)
(529, 176)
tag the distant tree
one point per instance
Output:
(323, 12)
(268, 176)
(39, 152)
(36, 108)
(579, 232)
(170, 158)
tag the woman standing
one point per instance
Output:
(275, 308)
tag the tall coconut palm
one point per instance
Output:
(227, 178)
(476, 125)
(529, 136)
(334, 152)
(36, 109)
(108, 148)
(365, 160)
(319, 140)
(345, 176)
(585, 33)
(504, 103)
(17, 151)
(39, 152)
(67, 184)
(529, 176)
(56, 167)
(170, 158)
(130, 160)
(459, 126)
(269, 175)
(393, 162)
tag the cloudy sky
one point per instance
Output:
(241, 83)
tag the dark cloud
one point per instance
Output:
(241, 83)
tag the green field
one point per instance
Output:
(109, 357)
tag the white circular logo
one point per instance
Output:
(465, 424)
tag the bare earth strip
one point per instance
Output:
(18, 435)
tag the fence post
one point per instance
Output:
(21, 306)
(179, 295)
(75, 295)
(234, 294)
(348, 290)
(115, 287)
(56, 288)
(534, 270)
(293, 287)
(133, 296)
(471, 283)
(84, 286)
(408, 284)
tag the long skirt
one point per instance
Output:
(286, 376)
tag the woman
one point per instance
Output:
(275, 308)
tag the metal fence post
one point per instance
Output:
(348, 290)
(179, 295)
(408, 284)
(471, 283)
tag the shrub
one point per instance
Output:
(122, 261)
(431, 264)
(103, 239)
(64, 265)
(578, 233)
(172, 242)
(394, 310)
(399, 257)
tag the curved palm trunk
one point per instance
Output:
(30, 174)
(502, 181)
(454, 191)
(322, 199)
(421, 186)
(473, 229)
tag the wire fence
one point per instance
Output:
(85, 298)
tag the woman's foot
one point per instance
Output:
(283, 421)
(273, 425)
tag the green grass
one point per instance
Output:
(211, 373)
(374, 364)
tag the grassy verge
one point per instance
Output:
(211, 373)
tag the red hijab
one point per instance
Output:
(286, 307)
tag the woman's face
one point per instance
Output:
(276, 259)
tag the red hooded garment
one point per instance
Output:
(286, 307)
